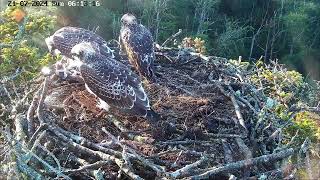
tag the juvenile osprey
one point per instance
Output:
(112, 82)
(63, 40)
(137, 41)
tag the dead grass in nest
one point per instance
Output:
(182, 97)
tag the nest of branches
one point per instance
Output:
(213, 125)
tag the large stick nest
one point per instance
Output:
(206, 129)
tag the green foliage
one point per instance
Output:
(286, 88)
(284, 30)
(283, 85)
(306, 123)
(302, 32)
(105, 19)
(243, 65)
(22, 41)
(231, 41)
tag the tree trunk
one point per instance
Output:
(202, 14)
(267, 45)
(160, 7)
(157, 20)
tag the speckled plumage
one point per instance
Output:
(137, 41)
(66, 38)
(112, 82)
(55, 98)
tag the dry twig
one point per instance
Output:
(171, 38)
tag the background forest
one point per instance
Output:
(288, 30)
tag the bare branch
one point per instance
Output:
(171, 38)
(187, 170)
(244, 164)
(41, 100)
(235, 104)
(95, 165)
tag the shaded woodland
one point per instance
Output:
(283, 29)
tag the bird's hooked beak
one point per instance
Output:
(74, 55)
(54, 52)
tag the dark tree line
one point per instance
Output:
(272, 29)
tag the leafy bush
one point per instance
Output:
(306, 124)
(197, 43)
(22, 41)
(230, 43)
(279, 83)
(287, 88)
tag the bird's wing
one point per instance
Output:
(65, 38)
(114, 83)
(139, 45)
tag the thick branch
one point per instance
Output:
(235, 104)
(231, 167)
(95, 165)
(41, 104)
(186, 170)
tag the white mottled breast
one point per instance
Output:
(103, 105)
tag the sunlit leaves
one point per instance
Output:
(18, 48)
(197, 43)
(306, 123)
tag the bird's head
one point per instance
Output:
(83, 50)
(128, 19)
(50, 44)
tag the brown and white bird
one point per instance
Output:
(64, 39)
(112, 82)
(137, 42)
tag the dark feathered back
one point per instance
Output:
(115, 84)
(66, 38)
(137, 41)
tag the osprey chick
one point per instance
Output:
(112, 82)
(137, 41)
(63, 40)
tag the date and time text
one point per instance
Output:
(54, 3)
